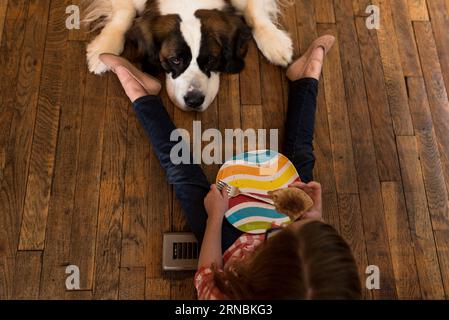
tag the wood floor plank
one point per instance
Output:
(229, 108)
(13, 28)
(137, 196)
(182, 287)
(339, 127)
(360, 7)
(157, 289)
(307, 29)
(209, 120)
(376, 236)
(112, 189)
(393, 74)
(324, 168)
(401, 246)
(288, 21)
(85, 212)
(250, 90)
(440, 24)
(28, 83)
(330, 210)
(160, 209)
(437, 199)
(229, 102)
(272, 84)
(11, 199)
(273, 91)
(432, 170)
(324, 11)
(272, 100)
(252, 117)
(3, 281)
(442, 241)
(57, 235)
(42, 157)
(132, 284)
(160, 220)
(379, 108)
(185, 121)
(79, 295)
(80, 34)
(419, 104)
(419, 218)
(418, 10)
(352, 230)
(181, 283)
(406, 40)
(27, 275)
(436, 91)
(3, 7)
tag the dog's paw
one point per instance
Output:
(102, 44)
(275, 44)
(95, 65)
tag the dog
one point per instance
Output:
(193, 41)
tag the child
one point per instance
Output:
(307, 259)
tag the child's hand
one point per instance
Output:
(313, 189)
(216, 203)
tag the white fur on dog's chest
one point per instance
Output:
(187, 8)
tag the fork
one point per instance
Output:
(234, 192)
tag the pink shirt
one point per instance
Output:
(204, 277)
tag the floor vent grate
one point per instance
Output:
(180, 252)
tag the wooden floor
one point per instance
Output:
(79, 184)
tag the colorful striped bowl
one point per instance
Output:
(256, 172)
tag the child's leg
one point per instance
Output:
(304, 74)
(190, 183)
(298, 145)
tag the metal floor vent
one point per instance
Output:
(180, 251)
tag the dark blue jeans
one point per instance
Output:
(190, 183)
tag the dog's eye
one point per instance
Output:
(175, 61)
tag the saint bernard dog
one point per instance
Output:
(193, 41)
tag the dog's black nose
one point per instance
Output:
(194, 99)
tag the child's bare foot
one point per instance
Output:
(311, 63)
(132, 87)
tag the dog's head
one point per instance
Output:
(192, 52)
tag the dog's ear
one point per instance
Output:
(235, 46)
(141, 36)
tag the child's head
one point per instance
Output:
(307, 260)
